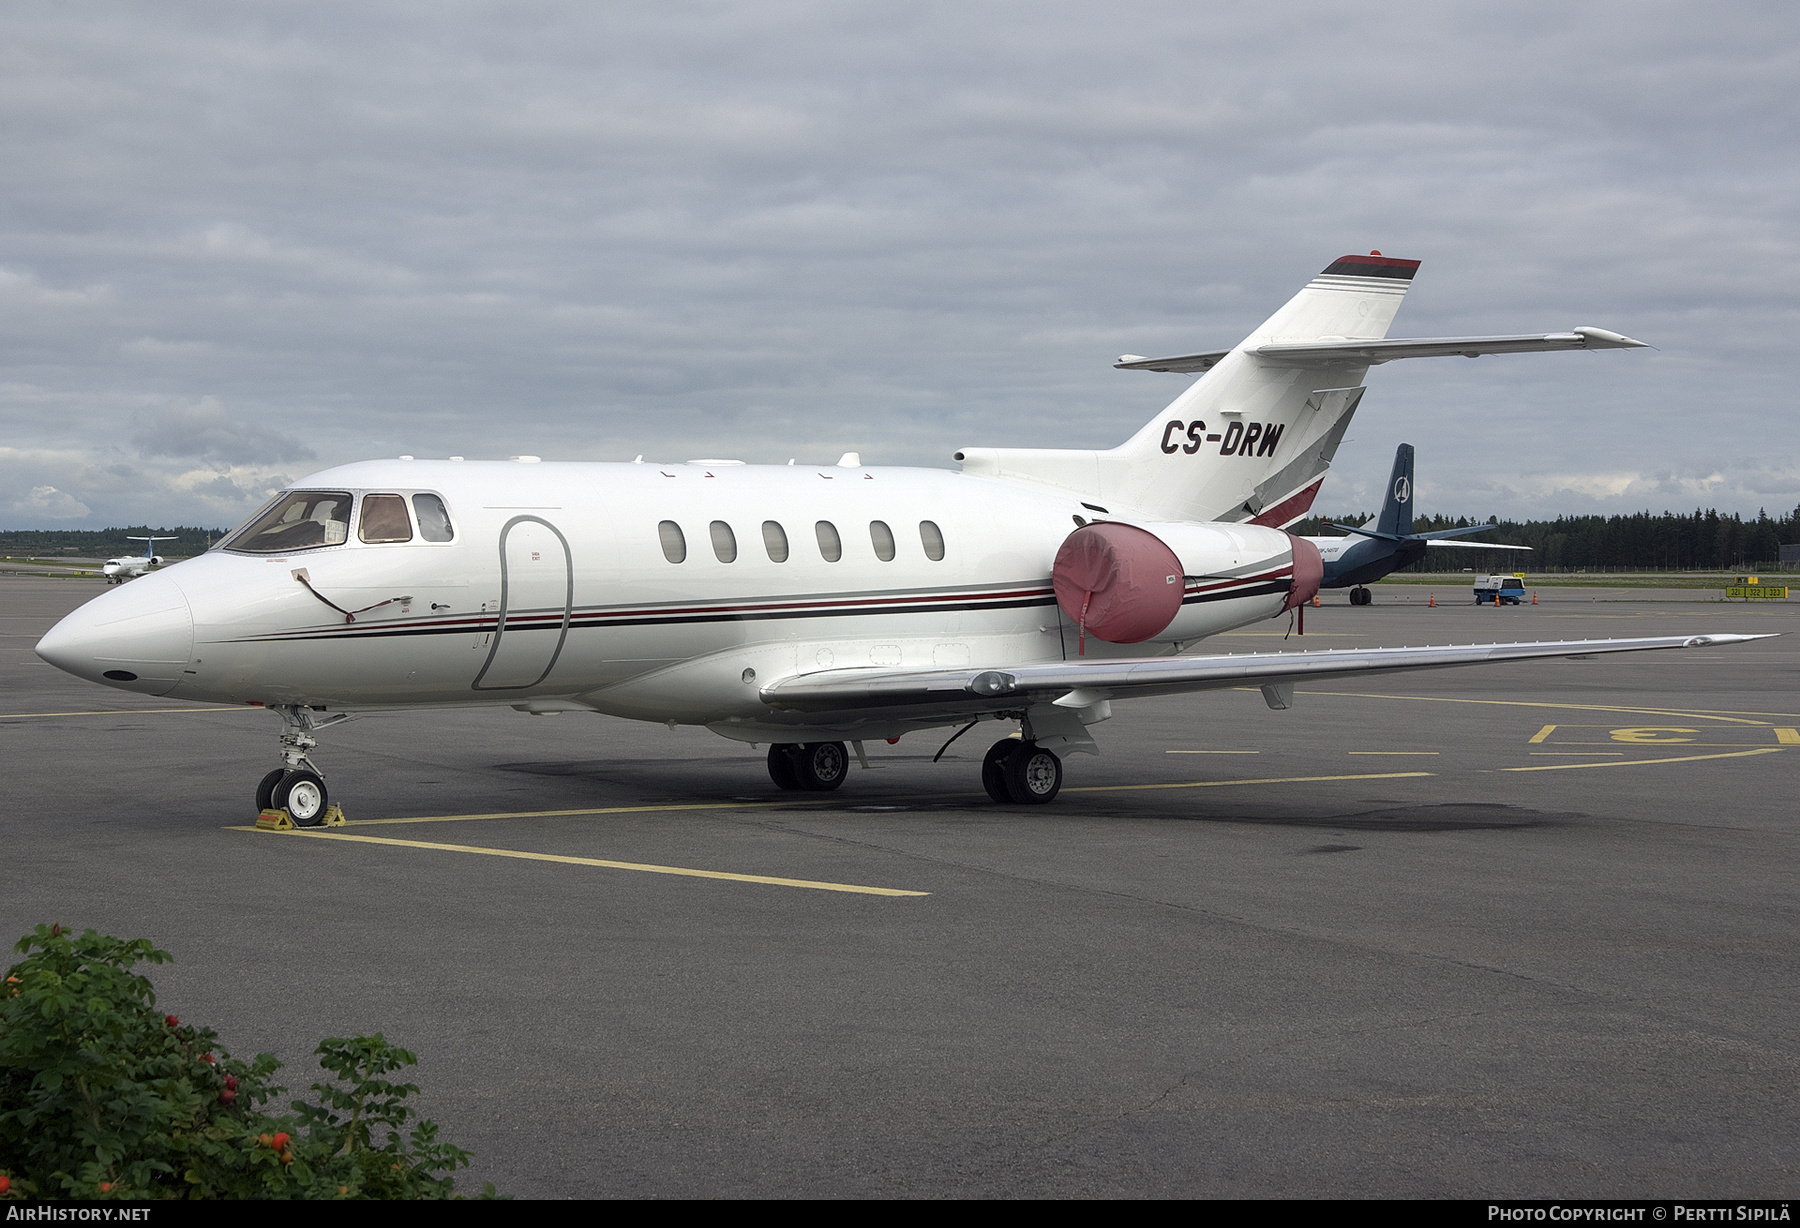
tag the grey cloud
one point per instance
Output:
(580, 230)
(205, 430)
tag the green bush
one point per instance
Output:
(103, 1097)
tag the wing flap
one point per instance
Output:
(996, 690)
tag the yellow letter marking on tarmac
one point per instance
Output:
(1563, 767)
(616, 865)
(1650, 733)
(1787, 737)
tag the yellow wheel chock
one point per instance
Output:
(281, 820)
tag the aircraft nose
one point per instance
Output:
(138, 637)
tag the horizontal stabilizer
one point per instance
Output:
(1474, 545)
(969, 691)
(1371, 353)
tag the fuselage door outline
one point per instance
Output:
(505, 606)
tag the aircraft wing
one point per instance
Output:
(1474, 545)
(1371, 353)
(1077, 684)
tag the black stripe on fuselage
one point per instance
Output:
(554, 622)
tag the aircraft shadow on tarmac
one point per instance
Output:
(1443, 817)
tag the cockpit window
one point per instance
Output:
(384, 519)
(298, 520)
(434, 521)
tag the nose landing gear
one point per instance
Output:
(298, 787)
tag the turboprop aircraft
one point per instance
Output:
(131, 566)
(804, 606)
(1369, 554)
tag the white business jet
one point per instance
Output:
(805, 606)
(131, 566)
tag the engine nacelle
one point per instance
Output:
(1128, 583)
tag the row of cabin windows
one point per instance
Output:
(775, 541)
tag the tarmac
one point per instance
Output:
(1529, 930)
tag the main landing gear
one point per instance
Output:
(816, 766)
(1361, 596)
(1021, 772)
(1014, 771)
(298, 786)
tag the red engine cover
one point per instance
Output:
(1309, 570)
(1118, 582)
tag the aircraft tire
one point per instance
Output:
(303, 795)
(993, 769)
(265, 792)
(821, 766)
(781, 765)
(1033, 775)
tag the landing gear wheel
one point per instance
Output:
(1033, 775)
(993, 769)
(302, 794)
(1361, 596)
(821, 766)
(781, 765)
(265, 792)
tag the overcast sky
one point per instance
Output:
(240, 242)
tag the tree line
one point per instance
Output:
(106, 543)
(1702, 541)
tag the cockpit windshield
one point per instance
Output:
(298, 520)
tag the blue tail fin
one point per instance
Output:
(1397, 508)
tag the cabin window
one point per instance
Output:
(932, 538)
(882, 538)
(831, 546)
(434, 521)
(673, 543)
(775, 541)
(724, 542)
(298, 520)
(384, 519)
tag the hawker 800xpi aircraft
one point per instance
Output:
(804, 606)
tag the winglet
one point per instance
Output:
(1600, 338)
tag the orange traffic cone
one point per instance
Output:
(1433, 602)
(1534, 596)
(1315, 601)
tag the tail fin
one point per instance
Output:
(1252, 438)
(1396, 510)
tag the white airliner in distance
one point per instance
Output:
(799, 605)
(131, 566)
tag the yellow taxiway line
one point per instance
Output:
(1734, 719)
(640, 867)
(1563, 767)
(784, 803)
(1226, 784)
(764, 879)
(22, 716)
